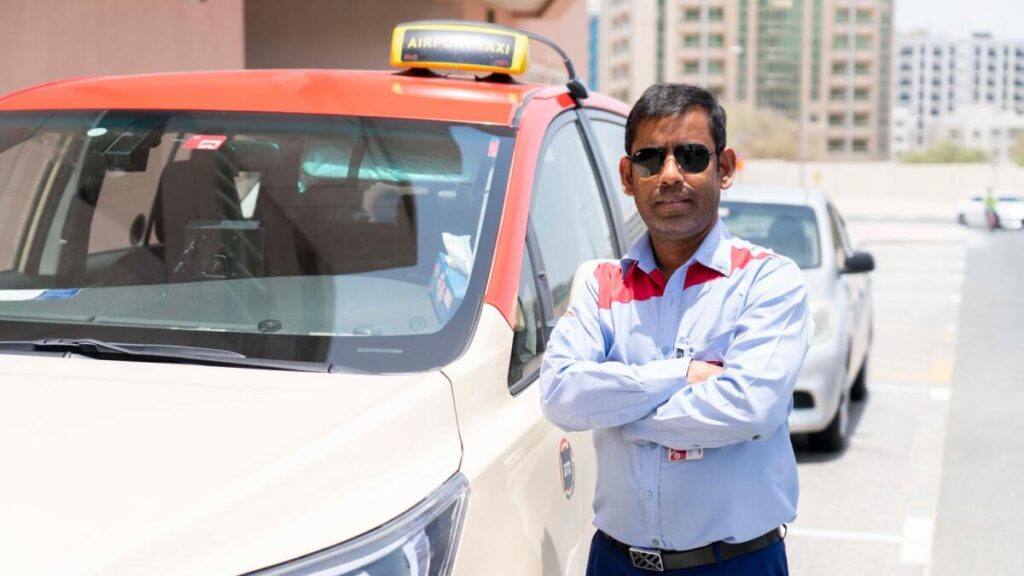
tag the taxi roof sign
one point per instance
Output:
(459, 46)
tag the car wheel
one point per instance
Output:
(833, 437)
(859, 390)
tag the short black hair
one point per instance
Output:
(669, 99)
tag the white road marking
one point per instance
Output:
(848, 535)
(917, 540)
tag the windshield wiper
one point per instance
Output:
(157, 353)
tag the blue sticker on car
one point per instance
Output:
(568, 468)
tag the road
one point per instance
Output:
(928, 483)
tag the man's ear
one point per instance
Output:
(726, 167)
(626, 175)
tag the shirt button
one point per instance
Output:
(656, 542)
(648, 495)
(665, 350)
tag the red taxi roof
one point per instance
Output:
(348, 92)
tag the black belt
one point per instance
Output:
(661, 560)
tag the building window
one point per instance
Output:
(716, 40)
(860, 94)
(691, 67)
(863, 41)
(836, 119)
(691, 40)
(716, 66)
(839, 68)
(835, 145)
(840, 42)
(842, 16)
(860, 145)
(863, 16)
(692, 15)
(837, 94)
(860, 119)
(862, 68)
(716, 14)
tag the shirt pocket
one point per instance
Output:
(711, 348)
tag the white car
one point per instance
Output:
(802, 224)
(1009, 209)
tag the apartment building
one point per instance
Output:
(823, 63)
(101, 37)
(969, 91)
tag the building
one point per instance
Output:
(968, 91)
(825, 64)
(103, 37)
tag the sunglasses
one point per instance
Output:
(691, 158)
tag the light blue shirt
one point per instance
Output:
(617, 362)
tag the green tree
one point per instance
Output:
(763, 132)
(1018, 148)
(945, 153)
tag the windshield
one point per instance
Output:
(783, 228)
(356, 241)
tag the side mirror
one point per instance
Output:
(859, 262)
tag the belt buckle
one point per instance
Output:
(646, 559)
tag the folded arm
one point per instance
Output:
(750, 398)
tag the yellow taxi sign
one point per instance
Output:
(476, 48)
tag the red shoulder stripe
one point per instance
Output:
(636, 286)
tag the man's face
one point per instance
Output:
(674, 203)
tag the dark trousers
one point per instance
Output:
(605, 560)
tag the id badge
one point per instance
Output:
(685, 455)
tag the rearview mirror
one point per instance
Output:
(859, 262)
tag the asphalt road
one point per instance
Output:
(928, 484)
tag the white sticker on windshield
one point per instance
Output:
(19, 295)
(96, 132)
(25, 295)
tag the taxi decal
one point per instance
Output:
(568, 466)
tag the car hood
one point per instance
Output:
(122, 467)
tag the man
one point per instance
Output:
(682, 359)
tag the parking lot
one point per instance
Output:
(913, 494)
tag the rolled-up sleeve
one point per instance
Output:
(580, 389)
(750, 399)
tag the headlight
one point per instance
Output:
(420, 542)
(824, 314)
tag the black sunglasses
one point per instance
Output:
(691, 158)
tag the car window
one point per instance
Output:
(527, 343)
(783, 228)
(568, 213)
(840, 243)
(610, 141)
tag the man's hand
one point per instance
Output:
(701, 371)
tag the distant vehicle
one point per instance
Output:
(1009, 210)
(803, 225)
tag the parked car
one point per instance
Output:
(289, 321)
(1009, 210)
(802, 224)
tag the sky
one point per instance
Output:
(959, 18)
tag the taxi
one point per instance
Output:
(290, 321)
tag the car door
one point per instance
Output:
(857, 289)
(554, 479)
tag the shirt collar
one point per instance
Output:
(715, 252)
